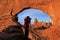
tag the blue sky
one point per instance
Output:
(33, 13)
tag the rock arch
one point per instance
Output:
(48, 6)
(10, 8)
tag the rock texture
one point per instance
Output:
(10, 8)
(35, 21)
(12, 32)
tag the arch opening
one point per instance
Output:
(35, 15)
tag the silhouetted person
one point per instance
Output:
(27, 21)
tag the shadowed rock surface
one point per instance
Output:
(12, 33)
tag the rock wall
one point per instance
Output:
(10, 8)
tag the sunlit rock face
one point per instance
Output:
(35, 21)
(10, 8)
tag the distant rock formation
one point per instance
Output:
(37, 24)
(35, 21)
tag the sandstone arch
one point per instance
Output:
(51, 7)
(48, 6)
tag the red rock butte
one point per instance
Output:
(9, 9)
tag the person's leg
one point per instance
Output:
(26, 33)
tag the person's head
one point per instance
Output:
(28, 17)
